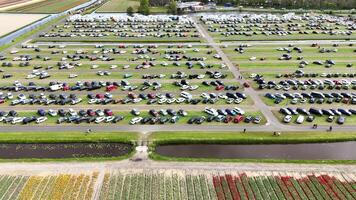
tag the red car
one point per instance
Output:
(91, 112)
(108, 112)
(2, 101)
(110, 88)
(246, 85)
(238, 118)
(219, 87)
(99, 96)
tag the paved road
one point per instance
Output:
(272, 121)
(80, 167)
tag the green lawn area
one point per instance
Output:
(49, 6)
(121, 6)
(60, 137)
(118, 6)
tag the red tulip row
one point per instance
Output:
(282, 187)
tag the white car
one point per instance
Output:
(16, 120)
(135, 120)
(41, 119)
(239, 111)
(56, 87)
(99, 119)
(52, 112)
(287, 119)
(211, 111)
(109, 118)
(72, 76)
(186, 95)
(300, 119)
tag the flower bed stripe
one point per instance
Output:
(105, 187)
(331, 184)
(183, 187)
(147, 187)
(140, 184)
(320, 188)
(155, 186)
(5, 186)
(175, 186)
(268, 187)
(244, 180)
(298, 188)
(133, 186)
(30, 187)
(262, 188)
(126, 187)
(232, 187)
(204, 187)
(162, 186)
(331, 193)
(345, 188)
(212, 192)
(218, 188)
(254, 187)
(19, 188)
(225, 187)
(240, 188)
(168, 187)
(190, 187)
(276, 188)
(308, 192)
(12, 188)
(284, 188)
(289, 185)
(112, 189)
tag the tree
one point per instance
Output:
(130, 11)
(144, 7)
(172, 7)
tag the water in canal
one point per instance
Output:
(63, 150)
(310, 151)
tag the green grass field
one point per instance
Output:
(49, 6)
(118, 6)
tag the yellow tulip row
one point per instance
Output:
(64, 186)
(30, 188)
(59, 186)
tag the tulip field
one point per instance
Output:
(63, 186)
(176, 184)
(234, 186)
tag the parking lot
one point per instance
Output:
(159, 70)
(276, 27)
(311, 84)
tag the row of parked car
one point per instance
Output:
(313, 97)
(309, 115)
(235, 115)
(310, 84)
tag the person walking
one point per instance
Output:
(330, 128)
(244, 130)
